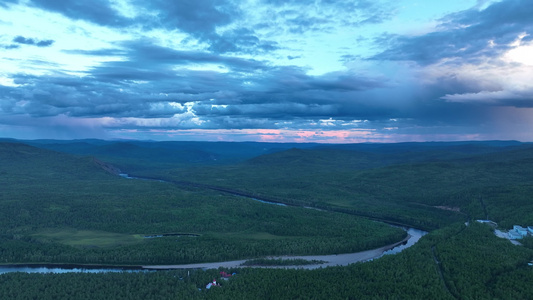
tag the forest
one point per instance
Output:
(63, 202)
(70, 210)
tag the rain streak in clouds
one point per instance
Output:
(267, 70)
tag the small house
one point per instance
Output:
(530, 229)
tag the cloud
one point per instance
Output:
(41, 96)
(300, 17)
(29, 41)
(200, 19)
(222, 65)
(44, 43)
(216, 23)
(100, 12)
(468, 70)
(5, 3)
(466, 36)
(241, 40)
(150, 81)
(56, 127)
(522, 98)
(144, 55)
(225, 26)
(12, 46)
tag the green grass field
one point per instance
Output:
(88, 238)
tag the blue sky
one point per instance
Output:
(327, 71)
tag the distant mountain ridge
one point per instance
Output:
(134, 155)
(145, 155)
(20, 159)
(364, 156)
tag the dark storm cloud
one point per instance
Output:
(289, 79)
(149, 78)
(466, 35)
(228, 100)
(288, 94)
(29, 41)
(85, 97)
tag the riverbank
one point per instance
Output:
(66, 268)
(330, 260)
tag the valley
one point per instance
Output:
(64, 203)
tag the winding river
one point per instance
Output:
(329, 260)
(413, 235)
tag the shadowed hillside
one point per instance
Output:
(20, 160)
(146, 155)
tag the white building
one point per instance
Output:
(514, 235)
(520, 230)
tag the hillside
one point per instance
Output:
(148, 155)
(425, 185)
(32, 162)
(428, 186)
(56, 207)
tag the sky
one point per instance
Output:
(327, 71)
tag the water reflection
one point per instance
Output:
(415, 234)
(60, 270)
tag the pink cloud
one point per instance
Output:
(298, 136)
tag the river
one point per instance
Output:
(329, 260)
(49, 268)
